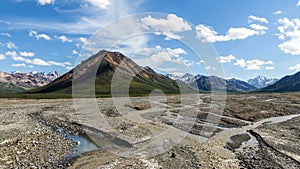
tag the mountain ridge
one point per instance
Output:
(102, 67)
(262, 81)
(28, 80)
(289, 83)
(145, 79)
(206, 83)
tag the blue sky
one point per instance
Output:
(251, 37)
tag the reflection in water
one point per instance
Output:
(82, 143)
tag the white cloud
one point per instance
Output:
(32, 33)
(241, 63)
(103, 4)
(208, 34)
(253, 18)
(61, 64)
(6, 34)
(226, 59)
(287, 24)
(63, 38)
(67, 63)
(42, 36)
(19, 65)
(74, 52)
(12, 54)
(255, 64)
(240, 33)
(16, 57)
(27, 54)
(210, 68)
(289, 32)
(11, 45)
(168, 27)
(158, 57)
(40, 62)
(278, 12)
(169, 55)
(45, 2)
(56, 63)
(269, 67)
(199, 62)
(35, 61)
(5, 22)
(2, 57)
(290, 47)
(30, 66)
(83, 40)
(258, 27)
(39, 36)
(298, 4)
(296, 67)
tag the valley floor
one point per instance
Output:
(253, 131)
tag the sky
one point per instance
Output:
(249, 37)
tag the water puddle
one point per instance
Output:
(82, 143)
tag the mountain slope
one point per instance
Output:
(106, 64)
(10, 88)
(261, 81)
(238, 85)
(286, 84)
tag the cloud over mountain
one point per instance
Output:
(168, 27)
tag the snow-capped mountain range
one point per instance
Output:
(204, 82)
(28, 80)
(186, 78)
(37, 79)
(262, 81)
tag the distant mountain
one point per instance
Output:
(27, 80)
(173, 77)
(261, 81)
(188, 78)
(205, 83)
(105, 64)
(286, 84)
(239, 85)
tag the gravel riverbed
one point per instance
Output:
(31, 133)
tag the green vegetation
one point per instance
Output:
(34, 96)
(10, 88)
